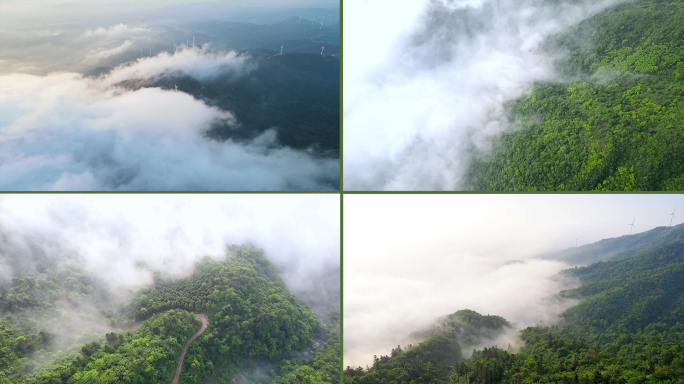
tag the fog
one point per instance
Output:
(62, 128)
(425, 84)
(122, 240)
(410, 259)
(66, 132)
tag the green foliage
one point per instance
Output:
(621, 247)
(322, 367)
(433, 359)
(147, 355)
(253, 318)
(619, 126)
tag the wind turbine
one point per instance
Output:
(175, 86)
(187, 42)
(632, 227)
(300, 19)
(141, 53)
(322, 48)
(118, 138)
(673, 216)
(193, 40)
(281, 49)
(321, 25)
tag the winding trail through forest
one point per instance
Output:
(179, 368)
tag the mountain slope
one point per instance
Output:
(616, 124)
(620, 247)
(252, 318)
(435, 357)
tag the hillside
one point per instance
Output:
(627, 328)
(295, 94)
(620, 247)
(614, 121)
(434, 357)
(252, 319)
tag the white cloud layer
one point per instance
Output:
(115, 31)
(110, 236)
(428, 88)
(103, 53)
(190, 61)
(66, 132)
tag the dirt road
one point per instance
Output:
(179, 368)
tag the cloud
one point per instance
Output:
(192, 61)
(429, 88)
(123, 239)
(63, 131)
(102, 53)
(115, 31)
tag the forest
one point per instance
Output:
(628, 328)
(47, 332)
(615, 119)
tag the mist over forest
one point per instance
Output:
(447, 275)
(534, 95)
(181, 96)
(81, 279)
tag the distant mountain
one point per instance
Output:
(619, 247)
(293, 33)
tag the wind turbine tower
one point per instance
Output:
(632, 227)
(176, 87)
(322, 48)
(673, 216)
(321, 25)
(193, 40)
(281, 49)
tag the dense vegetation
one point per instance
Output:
(436, 356)
(253, 319)
(295, 94)
(620, 247)
(628, 328)
(618, 124)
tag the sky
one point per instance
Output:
(425, 83)
(111, 235)
(409, 259)
(35, 4)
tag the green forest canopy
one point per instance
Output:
(617, 124)
(252, 318)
